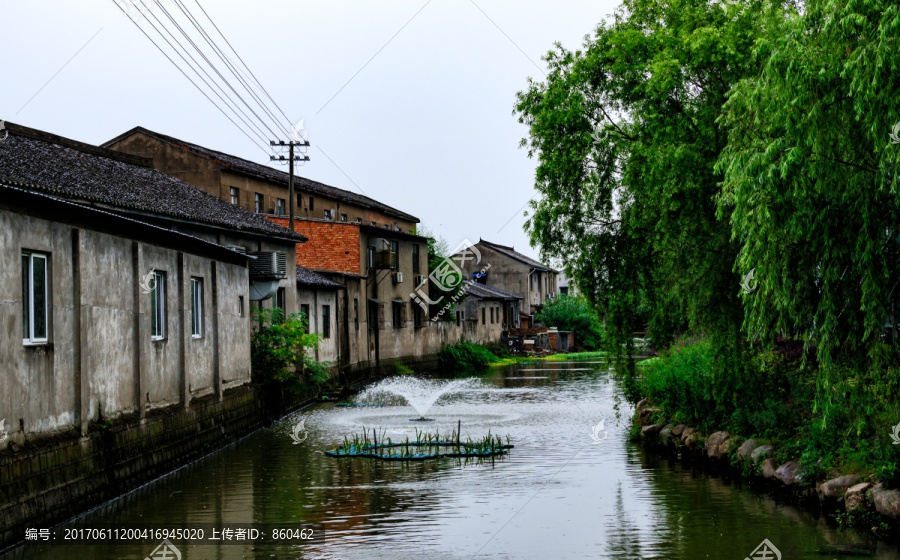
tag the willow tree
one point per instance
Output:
(627, 133)
(811, 187)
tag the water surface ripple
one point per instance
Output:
(565, 491)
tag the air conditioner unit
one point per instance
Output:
(398, 278)
(421, 279)
(380, 244)
(384, 259)
(268, 265)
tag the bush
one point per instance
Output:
(573, 314)
(465, 355)
(831, 418)
(279, 351)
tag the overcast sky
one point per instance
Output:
(425, 126)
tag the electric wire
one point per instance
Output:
(242, 61)
(229, 63)
(185, 74)
(190, 40)
(228, 102)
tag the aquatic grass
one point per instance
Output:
(427, 445)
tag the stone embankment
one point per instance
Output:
(756, 460)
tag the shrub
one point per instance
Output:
(280, 351)
(466, 355)
(573, 314)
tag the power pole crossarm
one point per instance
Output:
(290, 159)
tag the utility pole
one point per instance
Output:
(290, 159)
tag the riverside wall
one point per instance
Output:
(49, 479)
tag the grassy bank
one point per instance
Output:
(832, 420)
(466, 354)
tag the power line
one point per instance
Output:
(228, 102)
(213, 66)
(227, 116)
(242, 61)
(228, 62)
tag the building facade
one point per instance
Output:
(513, 273)
(123, 290)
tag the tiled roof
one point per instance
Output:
(258, 170)
(484, 291)
(513, 254)
(87, 174)
(308, 278)
(54, 208)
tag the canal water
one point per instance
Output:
(569, 489)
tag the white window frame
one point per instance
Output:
(31, 338)
(196, 307)
(159, 312)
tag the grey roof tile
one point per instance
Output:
(88, 174)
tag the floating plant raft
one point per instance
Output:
(425, 446)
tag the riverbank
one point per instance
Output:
(47, 480)
(763, 417)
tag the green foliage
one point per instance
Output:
(400, 369)
(573, 314)
(627, 137)
(280, 351)
(772, 393)
(465, 355)
(810, 181)
(438, 251)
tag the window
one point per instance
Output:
(482, 316)
(312, 205)
(258, 203)
(358, 220)
(343, 217)
(415, 258)
(304, 310)
(240, 306)
(370, 254)
(279, 207)
(158, 307)
(326, 321)
(492, 315)
(458, 317)
(279, 301)
(396, 308)
(328, 214)
(417, 316)
(235, 195)
(373, 224)
(397, 228)
(385, 226)
(196, 307)
(299, 200)
(35, 297)
(396, 260)
(356, 312)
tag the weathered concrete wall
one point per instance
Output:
(217, 180)
(48, 482)
(100, 361)
(45, 370)
(316, 299)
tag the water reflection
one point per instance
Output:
(558, 494)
